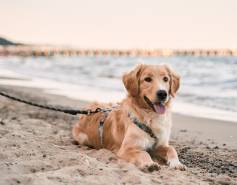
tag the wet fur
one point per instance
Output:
(121, 135)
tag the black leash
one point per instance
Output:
(67, 111)
(139, 124)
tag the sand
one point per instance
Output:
(36, 147)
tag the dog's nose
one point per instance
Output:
(161, 95)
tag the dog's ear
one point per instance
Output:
(174, 81)
(131, 80)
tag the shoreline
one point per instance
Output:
(77, 92)
(204, 129)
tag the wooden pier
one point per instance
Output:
(47, 51)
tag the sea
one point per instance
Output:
(208, 84)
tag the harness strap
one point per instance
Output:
(102, 121)
(144, 127)
(139, 124)
(101, 128)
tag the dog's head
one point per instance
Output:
(152, 85)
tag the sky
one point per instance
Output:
(122, 24)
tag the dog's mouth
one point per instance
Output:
(157, 107)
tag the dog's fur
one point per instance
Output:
(121, 135)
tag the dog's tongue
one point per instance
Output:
(159, 108)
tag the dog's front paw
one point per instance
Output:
(150, 167)
(176, 164)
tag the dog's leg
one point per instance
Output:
(169, 154)
(78, 135)
(138, 157)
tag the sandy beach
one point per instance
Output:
(36, 147)
(176, 57)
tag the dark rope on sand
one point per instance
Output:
(66, 111)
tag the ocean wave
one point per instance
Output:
(206, 81)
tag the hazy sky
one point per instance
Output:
(122, 23)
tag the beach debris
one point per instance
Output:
(2, 123)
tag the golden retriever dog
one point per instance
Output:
(140, 125)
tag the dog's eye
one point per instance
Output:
(165, 79)
(148, 79)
